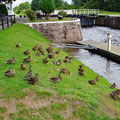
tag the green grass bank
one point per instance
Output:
(70, 99)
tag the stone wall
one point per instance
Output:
(59, 31)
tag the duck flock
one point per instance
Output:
(33, 80)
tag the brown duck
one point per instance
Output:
(58, 51)
(27, 52)
(81, 67)
(71, 59)
(51, 55)
(19, 44)
(33, 80)
(49, 50)
(113, 85)
(45, 60)
(35, 48)
(42, 53)
(82, 72)
(114, 96)
(56, 79)
(11, 61)
(97, 78)
(92, 82)
(38, 54)
(57, 63)
(11, 72)
(23, 66)
(65, 71)
(29, 74)
(40, 48)
(28, 59)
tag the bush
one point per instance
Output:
(3, 9)
(31, 15)
(63, 13)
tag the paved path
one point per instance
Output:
(100, 45)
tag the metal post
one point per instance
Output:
(109, 41)
(2, 23)
(7, 22)
(11, 20)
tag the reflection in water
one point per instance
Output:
(104, 67)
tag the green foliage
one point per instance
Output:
(31, 15)
(58, 3)
(3, 9)
(63, 13)
(47, 6)
(35, 5)
(22, 7)
(3, 110)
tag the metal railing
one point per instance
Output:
(6, 21)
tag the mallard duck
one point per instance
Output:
(19, 44)
(51, 56)
(33, 80)
(49, 50)
(11, 61)
(97, 78)
(45, 60)
(113, 85)
(29, 74)
(27, 52)
(11, 72)
(82, 72)
(58, 51)
(57, 63)
(35, 48)
(56, 79)
(92, 82)
(38, 54)
(42, 53)
(71, 59)
(65, 71)
(28, 59)
(115, 96)
(117, 91)
(67, 57)
(81, 67)
(66, 60)
(23, 66)
(40, 48)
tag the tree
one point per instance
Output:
(58, 3)
(35, 5)
(79, 3)
(24, 6)
(47, 6)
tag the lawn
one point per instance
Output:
(70, 99)
(109, 13)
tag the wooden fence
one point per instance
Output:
(6, 21)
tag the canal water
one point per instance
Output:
(104, 67)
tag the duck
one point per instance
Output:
(28, 59)
(92, 82)
(65, 71)
(49, 50)
(38, 54)
(45, 60)
(11, 72)
(23, 66)
(19, 44)
(57, 63)
(35, 48)
(29, 74)
(56, 79)
(67, 57)
(113, 85)
(40, 48)
(71, 59)
(51, 55)
(11, 61)
(42, 53)
(81, 67)
(33, 80)
(82, 72)
(117, 91)
(66, 60)
(58, 51)
(114, 96)
(27, 52)
(97, 78)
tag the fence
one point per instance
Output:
(7, 21)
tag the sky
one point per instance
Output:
(17, 2)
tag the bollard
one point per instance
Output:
(109, 41)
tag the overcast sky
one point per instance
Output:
(17, 2)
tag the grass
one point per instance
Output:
(73, 94)
(64, 19)
(109, 13)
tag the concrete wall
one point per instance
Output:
(59, 31)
